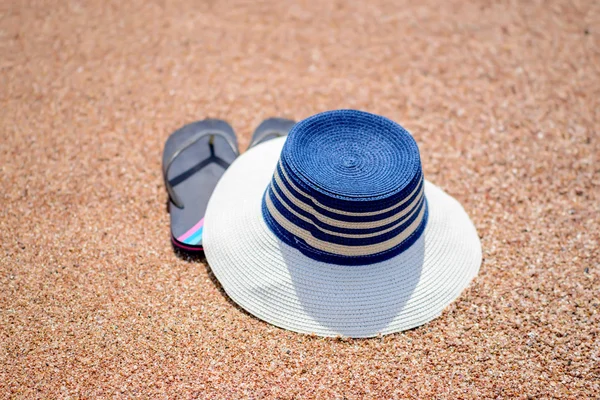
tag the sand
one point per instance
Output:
(503, 99)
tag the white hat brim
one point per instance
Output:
(280, 285)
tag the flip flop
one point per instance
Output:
(194, 159)
(271, 128)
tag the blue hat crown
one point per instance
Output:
(348, 189)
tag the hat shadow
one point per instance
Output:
(341, 307)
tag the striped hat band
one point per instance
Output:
(348, 189)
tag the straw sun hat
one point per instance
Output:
(334, 230)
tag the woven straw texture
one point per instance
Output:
(347, 189)
(280, 285)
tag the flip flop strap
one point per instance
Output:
(196, 137)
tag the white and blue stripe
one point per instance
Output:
(348, 189)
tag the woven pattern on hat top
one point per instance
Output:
(348, 189)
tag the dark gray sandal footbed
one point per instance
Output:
(194, 159)
(271, 128)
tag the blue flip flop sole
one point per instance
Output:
(271, 128)
(193, 174)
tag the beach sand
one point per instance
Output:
(503, 99)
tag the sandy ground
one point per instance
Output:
(502, 97)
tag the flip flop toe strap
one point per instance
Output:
(193, 139)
